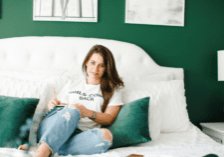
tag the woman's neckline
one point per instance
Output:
(86, 82)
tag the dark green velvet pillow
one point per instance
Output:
(131, 124)
(14, 114)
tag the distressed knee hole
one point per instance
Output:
(107, 135)
(67, 116)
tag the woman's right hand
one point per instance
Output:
(53, 102)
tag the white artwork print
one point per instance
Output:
(65, 10)
(155, 12)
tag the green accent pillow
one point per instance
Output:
(131, 124)
(14, 113)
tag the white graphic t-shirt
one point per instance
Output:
(77, 91)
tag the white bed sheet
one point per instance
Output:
(192, 143)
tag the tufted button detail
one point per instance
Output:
(118, 59)
(53, 57)
(141, 60)
(145, 61)
(4, 55)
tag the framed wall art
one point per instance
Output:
(155, 12)
(65, 10)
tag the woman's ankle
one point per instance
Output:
(43, 150)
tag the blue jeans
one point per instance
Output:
(59, 131)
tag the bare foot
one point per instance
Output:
(33, 149)
(43, 151)
(25, 147)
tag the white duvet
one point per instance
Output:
(192, 143)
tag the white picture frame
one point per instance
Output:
(155, 12)
(65, 10)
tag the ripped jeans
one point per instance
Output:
(59, 131)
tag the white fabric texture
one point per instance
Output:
(71, 74)
(150, 78)
(63, 56)
(192, 143)
(170, 97)
(154, 108)
(78, 91)
(57, 82)
(154, 118)
(41, 74)
(44, 82)
(67, 53)
(10, 86)
(52, 78)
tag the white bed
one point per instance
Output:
(54, 60)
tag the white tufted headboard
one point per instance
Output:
(24, 54)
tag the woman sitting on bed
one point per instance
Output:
(75, 128)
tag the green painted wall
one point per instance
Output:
(192, 47)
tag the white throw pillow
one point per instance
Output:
(71, 74)
(49, 77)
(10, 86)
(53, 81)
(150, 78)
(171, 101)
(154, 118)
(57, 82)
(27, 75)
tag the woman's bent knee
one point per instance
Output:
(107, 135)
(73, 111)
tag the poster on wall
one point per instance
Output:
(65, 10)
(155, 12)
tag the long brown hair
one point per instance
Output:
(110, 79)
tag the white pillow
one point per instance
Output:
(48, 77)
(149, 78)
(173, 108)
(27, 75)
(57, 82)
(171, 101)
(71, 74)
(154, 118)
(53, 81)
(14, 87)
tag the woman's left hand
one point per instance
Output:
(82, 109)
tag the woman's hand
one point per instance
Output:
(53, 102)
(83, 110)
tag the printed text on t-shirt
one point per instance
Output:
(84, 96)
